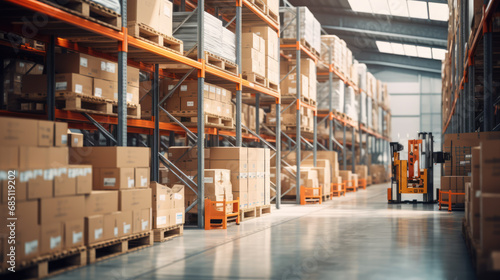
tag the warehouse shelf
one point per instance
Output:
(459, 111)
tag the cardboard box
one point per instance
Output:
(19, 132)
(177, 216)
(490, 164)
(114, 178)
(135, 199)
(236, 153)
(161, 197)
(74, 83)
(239, 182)
(269, 37)
(104, 88)
(111, 156)
(142, 177)
(133, 76)
(125, 223)
(177, 196)
(30, 184)
(75, 139)
(236, 166)
(64, 185)
(73, 233)
(101, 202)
(243, 197)
(474, 213)
(9, 158)
(60, 209)
(83, 176)
(141, 220)
(77, 63)
(161, 218)
(60, 134)
(111, 225)
(51, 237)
(94, 229)
(27, 243)
(490, 222)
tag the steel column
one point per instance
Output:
(278, 156)
(51, 80)
(238, 61)
(330, 100)
(488, 76)
(471, 112)
(257, 114)
(298, 83)
(122, 86)
(155, 144)
(315, 140)
(201, 125)
(353, 141)
(344, 150)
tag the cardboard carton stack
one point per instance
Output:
(49, 193)
(217, 100)
(155, 14)
(379, 173)
(362, 171)
(308, 79)
(323, 169)
(78, 73)
(167, 205)
(338, 46)
(308, 178)
(120, 203)
(271, 49)
(289, 118)
(253, 53)
(472, 208)
(346, 176)
(337, 101)
(14, 70)
(310, 28)
(217, 188)
(249, 116)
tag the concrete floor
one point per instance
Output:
(358, 236)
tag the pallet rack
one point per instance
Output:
(116, 45)
(467, 114)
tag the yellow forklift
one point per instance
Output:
(415, 175)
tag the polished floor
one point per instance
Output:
(354, 237)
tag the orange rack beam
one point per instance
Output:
(216, 214)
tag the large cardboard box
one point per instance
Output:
(125, 223)
(94, 229)
(21, 132)
(154, 13)
(141, 220)
(490, 166)
(178, 196)
(73, 233)
(474, 213)
(83, 175)
(160, 197)
(51, 237)
(111, 225)
(75, 139)
(60, 134)
(236, 153)
(27, 243)
(176, 216)
(35, 184)
(60, 209)
(78, 63)
(270, 38)
(101, 202)
(362, 171)
(217, 183)
(114, 178)
(135, 199)
(142, 177)
(104, 88)
(9, 159)
(133, 77)
(111, 156)
(236, 166)
(64, 184)
(490, 222)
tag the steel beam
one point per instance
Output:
(121, 129)
(278, 156)
(201, 125)
(238, 61)
(155, 145)
(51, 80)
(488, 76)
(298, 86)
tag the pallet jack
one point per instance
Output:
(415, 175)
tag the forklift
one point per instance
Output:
(415, 175)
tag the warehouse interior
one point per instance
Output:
(249, 139)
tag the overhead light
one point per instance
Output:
(438, 54)
(418, 9)
(398, 48)
(424, 52)
(439, 11)
(362, 6)
(398, 8)
(384, 47)
(410, 50)
(380, 7)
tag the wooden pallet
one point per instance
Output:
(89, 10)
(338, 193)
(255, 78)
(217, 62)
(147, 33)
(263, 210)
(133, 110)
(248, 214)
(48, 265)
(119, 246)
(272, 85)
(165, 234)
(259, 4)
(272, 15)
(190, 119)
(307, 45)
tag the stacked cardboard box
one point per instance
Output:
(273, 7)
(350, 103)
(455, 184)
(249, 116)
(289, 117)
(337, 101)
(271, 49)
(362, 171)
(347, 177)
(242, 172)
(217, 100)
(167, 205)
(310, 28)
(14, 70)
(323, 168)
(155, 14)
(83, 74)
(308, 78)
(49, 193)
(338, 49)
(379, 173)
(253, 51)
(120, 204)
(217, 188)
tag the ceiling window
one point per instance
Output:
(411, 50)
(402, 8)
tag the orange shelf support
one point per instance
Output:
(351, 185)
(308, 193)
(337, 192)
(362, 183)
(216, 214)
(448, 202)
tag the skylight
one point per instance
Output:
(411, 50)
(402, 8)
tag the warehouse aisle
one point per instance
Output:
(355, 237)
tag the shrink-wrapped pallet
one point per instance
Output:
(310, 28)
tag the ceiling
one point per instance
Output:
(362, 30)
